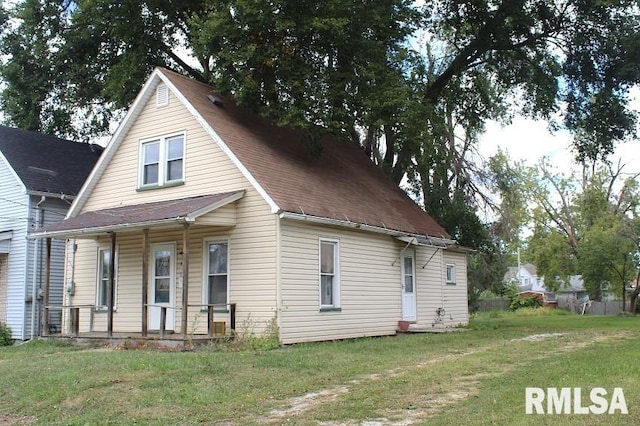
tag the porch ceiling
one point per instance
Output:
(138, 216)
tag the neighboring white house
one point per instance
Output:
(40, 176)
(200, 212)
(525, 277)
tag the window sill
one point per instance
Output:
(103, 310)
(215, 311)
(331, 309)
(450, 283)
(166, 185)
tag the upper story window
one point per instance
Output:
(162, 161)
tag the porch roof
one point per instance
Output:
(138, 216)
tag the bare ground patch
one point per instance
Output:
(429, 405)
(10, 420)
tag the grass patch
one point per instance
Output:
(479, 375)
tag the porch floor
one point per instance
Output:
(134, 340)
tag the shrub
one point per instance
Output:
(539, 312)
(245, 337)
(5, 335)
(519, 302)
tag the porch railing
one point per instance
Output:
(74, 316)
(230, 307)
(210, 308)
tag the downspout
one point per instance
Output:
(279, 277)
(36, 258)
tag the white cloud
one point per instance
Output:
(530, 140)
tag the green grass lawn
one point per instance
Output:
(477, 376)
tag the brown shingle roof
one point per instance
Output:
(138, 215)
(341, 183)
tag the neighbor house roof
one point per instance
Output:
(340, 184)
(47, 164)
(140, 215)
(512, 271)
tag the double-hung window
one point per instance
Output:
(104, 274)
(217, 288)
(451, 274)
(329, 274)
(162, 161)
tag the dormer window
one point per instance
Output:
(162, 161)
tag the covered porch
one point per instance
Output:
(122, 284)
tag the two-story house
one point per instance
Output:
(201, 213)
(40, 176)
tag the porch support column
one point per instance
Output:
(47, 285)
(145, 280)
(185, 278)
(111, 293)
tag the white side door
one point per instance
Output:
(162, 286)
(408, 286)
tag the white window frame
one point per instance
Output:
(163, 160)
(336, 274)
(450, 279)
(205, 270)
(99, 306)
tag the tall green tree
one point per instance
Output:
(412, 84)
(31, 99)
(588, 225)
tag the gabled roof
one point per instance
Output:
(47, 164)
(138, 216)
(341, 184)
(512, 271)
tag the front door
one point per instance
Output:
(162, 288)
(408, 286)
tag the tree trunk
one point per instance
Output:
(634, 296)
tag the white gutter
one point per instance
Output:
(402, 236)
(70, 233)
(57, 195)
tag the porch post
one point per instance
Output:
(111, 293)
(47, 284)
(185, 278)
(145, 279)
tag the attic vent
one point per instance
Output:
(162, 95)
(215, 100)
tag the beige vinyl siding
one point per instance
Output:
(252, 241)
(207, 169)
(4, 264)
(434, 293)
(456, 295)
(369, 284)
(430, 291)
(251, 278)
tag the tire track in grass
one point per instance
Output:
(461, 387)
